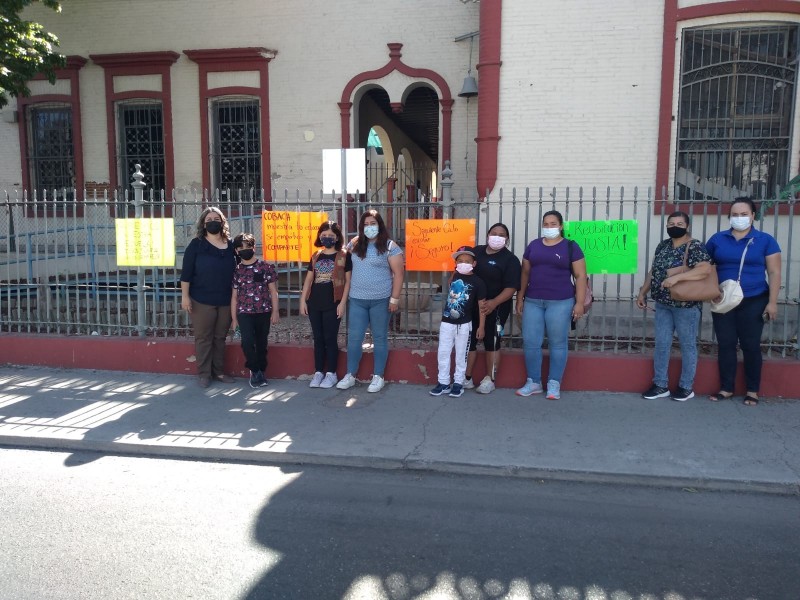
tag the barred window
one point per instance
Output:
(735, 114)
(52, 154)
(141, 141)
(236, 155)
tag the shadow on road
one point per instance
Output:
(355, 534)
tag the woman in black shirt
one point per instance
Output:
(500, 270)
(206, 278)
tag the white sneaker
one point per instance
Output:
(486, 386)
(316, 380)
(329, 381)
(346, 382)
(468, 384)
(377, 384)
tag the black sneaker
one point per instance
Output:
(682, 394)
(656, 392)
(456, 391)
(263, 381)
(255, 379)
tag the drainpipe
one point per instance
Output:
(488, 95)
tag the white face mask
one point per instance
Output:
(740, 223)
(551, 233)
(464, 268)
(371, 231)
(496, 242)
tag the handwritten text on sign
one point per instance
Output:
(289, 236)
(145, 242)
(430, 243)
(609, 246)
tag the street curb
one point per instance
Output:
(689, 484)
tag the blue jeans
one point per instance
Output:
(684, 322)
(553, 318)
(375, 315)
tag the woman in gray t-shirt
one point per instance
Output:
(375, 285)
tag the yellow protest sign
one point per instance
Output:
(430, 243)
(288, 236)
(145, 242)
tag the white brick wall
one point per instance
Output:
(580, 87)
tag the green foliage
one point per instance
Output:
(25, 49)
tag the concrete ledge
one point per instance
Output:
(789, 488)
(586, 371)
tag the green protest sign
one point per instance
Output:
(611, 247)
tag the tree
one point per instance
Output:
(25, 49)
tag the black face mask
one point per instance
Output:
(213, 227)
(247, 254)
(327, 242)
(676, 232)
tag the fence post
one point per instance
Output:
(138, 205)
(447, 184)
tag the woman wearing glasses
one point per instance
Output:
(206, 279)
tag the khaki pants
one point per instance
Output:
(211, 325)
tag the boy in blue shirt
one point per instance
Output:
(465, 292)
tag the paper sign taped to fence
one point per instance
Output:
(610, 247)
(145, 242)
(289, 236)
(430, 243)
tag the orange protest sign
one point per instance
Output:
(288, 236)
(430, 243)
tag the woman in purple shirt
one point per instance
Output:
(551, 301)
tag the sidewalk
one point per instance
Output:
(586, 436)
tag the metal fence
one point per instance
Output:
(59, 273)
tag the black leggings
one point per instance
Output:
(491, 341)
(325, 327)
(744, 325)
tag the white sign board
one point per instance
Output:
(356, 170)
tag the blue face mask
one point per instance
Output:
(371, 231)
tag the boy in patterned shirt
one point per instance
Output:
(254, 305)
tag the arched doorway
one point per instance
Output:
(412, 125)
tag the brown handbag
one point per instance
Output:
(699, 290)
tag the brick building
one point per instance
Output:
(246, 94)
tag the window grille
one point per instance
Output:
(141, 141)
(736, 110)
(236, 155)
(51, 160)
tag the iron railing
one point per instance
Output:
(59, 274)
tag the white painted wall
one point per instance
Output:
(321, 45)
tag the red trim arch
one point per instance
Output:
(69, 72)
(138, 63)
(395, 64)
(227, 60)
(672, 16)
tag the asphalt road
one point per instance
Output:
(92, 526)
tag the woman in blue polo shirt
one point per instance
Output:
(744, 324)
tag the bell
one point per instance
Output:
(470, 87)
